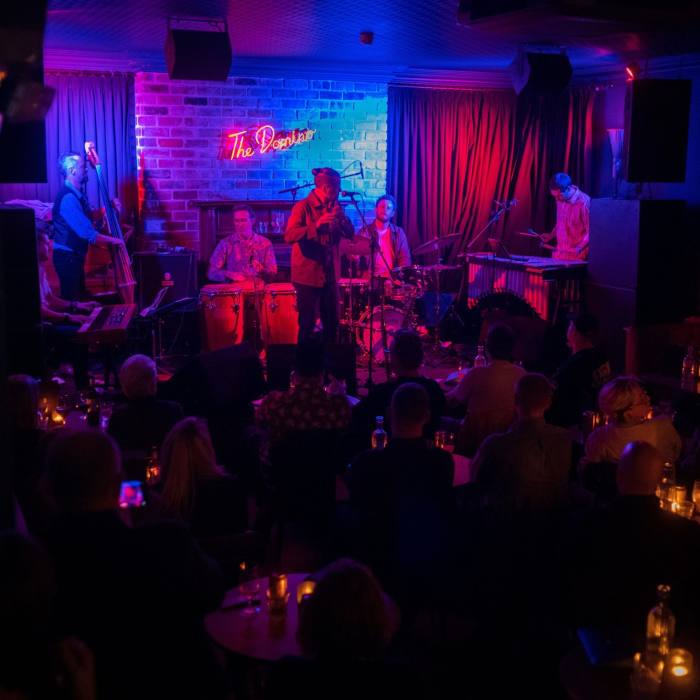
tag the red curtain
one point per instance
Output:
(451, 153)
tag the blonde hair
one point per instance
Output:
(186, 456)
(618, 396)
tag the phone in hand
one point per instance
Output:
(131, 495)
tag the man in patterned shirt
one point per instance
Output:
(306, 405)
(244, 255)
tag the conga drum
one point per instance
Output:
(280, 319)
(222, 315)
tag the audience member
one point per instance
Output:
(626, 406)
(527, 468)
(195, 489)
(621, 553)
(137, 596)
(142, 421)
(580, 378)
(406, 356)
(26, 440)
(306, 405)
(488, 393)
(402, 497)
(344, 630)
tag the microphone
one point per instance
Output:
(508, 204)
(345, 193)
(362, 171)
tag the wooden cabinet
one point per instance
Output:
(216, 222)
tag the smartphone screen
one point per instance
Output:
(131, 495)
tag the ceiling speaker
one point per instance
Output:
(541, 73)
(198, 54)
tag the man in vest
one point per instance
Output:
(73, 227)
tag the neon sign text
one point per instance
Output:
(244, 144)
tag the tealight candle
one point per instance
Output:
(305, 588)
(680, 663)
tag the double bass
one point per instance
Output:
(123, 275)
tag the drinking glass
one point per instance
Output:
(646, 676)
(250, 588)
(696, 493)
(445, 440)
(685, 509)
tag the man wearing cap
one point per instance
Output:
(315, 227)
(573, 219)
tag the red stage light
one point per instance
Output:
(632, 70)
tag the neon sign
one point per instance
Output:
(246, 143)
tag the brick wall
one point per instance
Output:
(180, 126)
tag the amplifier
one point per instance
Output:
(153, 270)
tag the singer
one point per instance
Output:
(244, 255)
(315, 227)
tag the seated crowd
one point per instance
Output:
(419, 577)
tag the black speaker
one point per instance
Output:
(23, 97)
(198, 55)
(340, 362)
(641, 265)
(657, 113)
(541, 73)
(177, 272)
(20, 291)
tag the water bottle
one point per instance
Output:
(379, 436)
(480, 359)
(689, 370)
(661, 625)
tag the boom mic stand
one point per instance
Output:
(296, 188)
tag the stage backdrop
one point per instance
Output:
(451, 153)
(95, 107)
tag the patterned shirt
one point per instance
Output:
(307, 406)
(237, 254)
(573, 225)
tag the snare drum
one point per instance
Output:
(222, 315)
(394, 320)
(352, 294)
(280, 319)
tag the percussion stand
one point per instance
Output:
(373, 249)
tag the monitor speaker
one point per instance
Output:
(657, 113)
(198, 55)
(177, 272)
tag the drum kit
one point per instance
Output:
(394, 300)
(267, 313)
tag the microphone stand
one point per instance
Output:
(373, 249)
(296, 188)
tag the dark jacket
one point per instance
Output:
(140, 424)
(137, 597)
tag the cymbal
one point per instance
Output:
(438, 267)
(436, 243)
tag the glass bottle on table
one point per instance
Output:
(379, 436)
(689, 370)
(480, 359)
(661, 625)
(153, 468)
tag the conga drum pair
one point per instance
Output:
(226, 311)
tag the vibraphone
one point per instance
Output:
(548, 286)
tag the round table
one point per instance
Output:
(263, 636)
